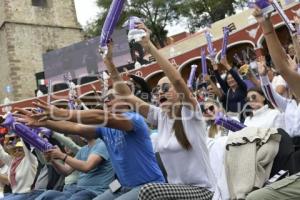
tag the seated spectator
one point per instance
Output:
(176, 119)
(22, 169)
(234, 88)
(211, 108)
(289, 108)
(213, 92)
(47, 177)
(3, 177)
(261, 115)
(95, 171)
(287, 188)
(125, 135)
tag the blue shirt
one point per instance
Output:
(97, 179)
(131, 153)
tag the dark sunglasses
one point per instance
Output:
(210, 108)
(163, 87)
(251, 98)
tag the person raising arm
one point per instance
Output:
(279, 57)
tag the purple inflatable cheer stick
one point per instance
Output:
(264, 5)
(225, 42)
(283, 16)
(110, 23)
(134, 34)
(192, 76)
(31, 138)
(203, 63)
(228, 123)
(226, 31)
(26, 134)
(210, 48)
(47, 132)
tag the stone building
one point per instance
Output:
(29, 28)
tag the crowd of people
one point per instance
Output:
(168, 145)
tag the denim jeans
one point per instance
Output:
(31, 195)
(71, 193)
(123, 194)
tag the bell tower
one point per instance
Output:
(29, 28)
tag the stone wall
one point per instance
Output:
(56, 13)
(27, 33)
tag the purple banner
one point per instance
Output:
(110, 23)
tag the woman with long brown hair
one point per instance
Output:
(182, 133)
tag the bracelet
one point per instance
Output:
(65, 158)
(268, 33)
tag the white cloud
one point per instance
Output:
(87, 10)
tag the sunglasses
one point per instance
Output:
(210, 108)
(251, 98)
(165, 87)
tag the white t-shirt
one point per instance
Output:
(216, 148)
(265, 118)
(183, 167)
(279, 81)
(3, 171)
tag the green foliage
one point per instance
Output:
(204, 12)
(158, 13)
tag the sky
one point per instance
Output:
(87, 10)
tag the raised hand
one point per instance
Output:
(145, 40)
(259, 15)
(26, 117)
(262, 69)
(50, 111)
(108, 58)
(56, 153)
(297, 21)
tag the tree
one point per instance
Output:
(156, 13)
(204, 12)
